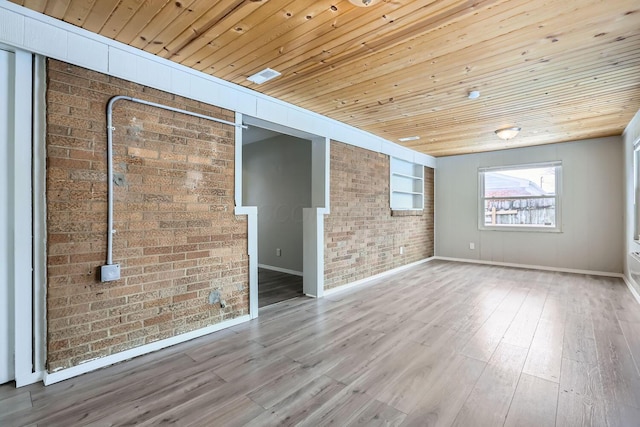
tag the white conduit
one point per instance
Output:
(110, 129)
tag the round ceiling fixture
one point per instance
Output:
(508, 133)
(363, 3)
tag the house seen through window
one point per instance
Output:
(525, 196)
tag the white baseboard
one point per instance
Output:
(92, 365)
(32, 378)
(531, 267)
(627, 281)
(280, 270)
(368, 280)
(632, 288)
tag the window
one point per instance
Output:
(407, 185)
(636, 188)
(523, 197)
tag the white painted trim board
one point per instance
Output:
(280, 270)
(368, 280)
(252, 251)
(632, 289)
(530, 267)
(7, 283)
(25, 372)
(102, 362)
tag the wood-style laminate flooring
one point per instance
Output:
(274, 287)
(440, 344)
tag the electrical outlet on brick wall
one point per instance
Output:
(110, 272)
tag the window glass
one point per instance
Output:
(520, 196)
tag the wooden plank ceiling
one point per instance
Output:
(560, 69)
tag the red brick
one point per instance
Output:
(158, 319)
(158, 155)
(362, 238)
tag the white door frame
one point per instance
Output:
(7, 328)
(313, 218)
(28, 343)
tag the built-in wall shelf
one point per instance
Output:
(406, 192)
(405, 175)
(407, 185)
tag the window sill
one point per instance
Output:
(519, 228)
(406, 212)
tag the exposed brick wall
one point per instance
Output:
(361, 237)
(177, 237)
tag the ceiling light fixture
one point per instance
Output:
(263, 76)
(363, 3)
(508, 133)
(474, 94)
(409, 138)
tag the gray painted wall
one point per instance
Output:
(631, 265)
(277, 179)
(592, 208)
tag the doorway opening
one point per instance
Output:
(276, 178)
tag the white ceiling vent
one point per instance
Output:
(263, 76)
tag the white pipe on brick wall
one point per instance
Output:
(110, 129)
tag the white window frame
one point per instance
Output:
(521, 227)
(636, 190)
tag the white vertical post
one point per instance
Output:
(7, 349)
(252, 243)
(252, 222)
(39, 214)
(237, 188)
(313, 220)
(22, 221)
(313, 250)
